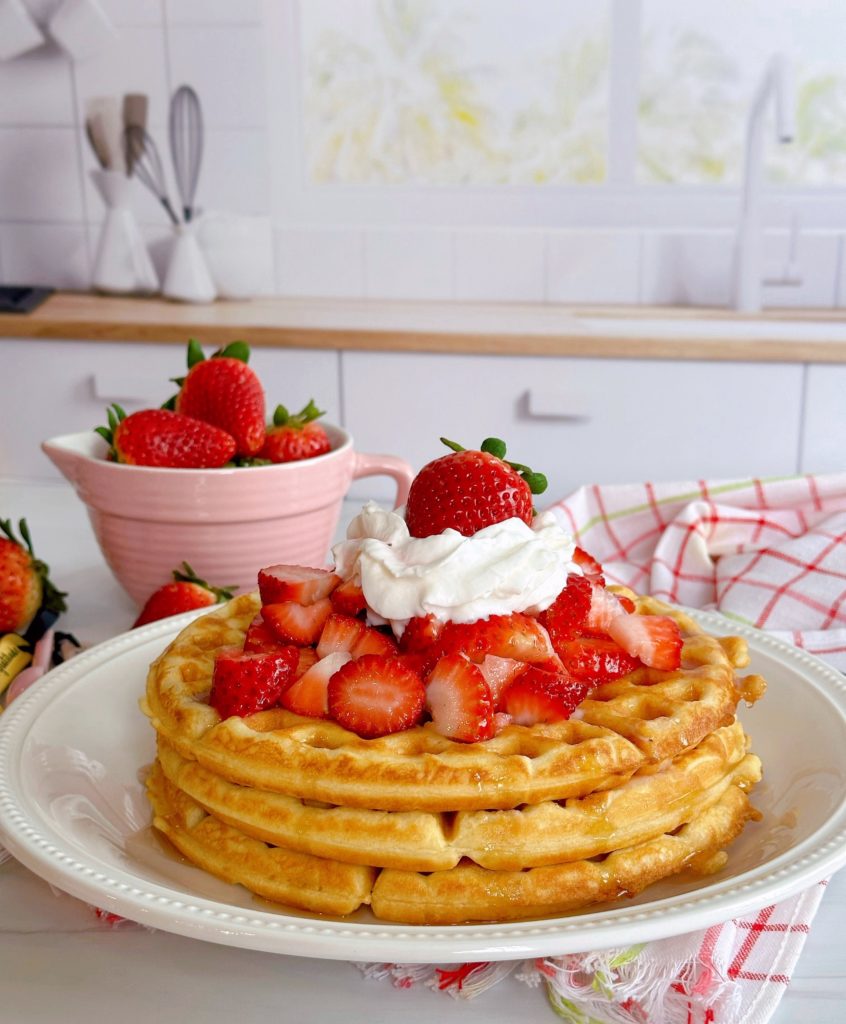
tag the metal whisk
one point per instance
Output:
(186, 144)
(142, 155)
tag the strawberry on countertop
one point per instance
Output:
(225, 392)
(296, 436)
(184, 594)
(159, 437)
(25, 585)
(469, 490)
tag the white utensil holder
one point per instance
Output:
(188, 278)
(122, 265)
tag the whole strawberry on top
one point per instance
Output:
(225, 392)
(25, 585)
(184, 594)
(295, 436)
(468, 490)
(159, 437)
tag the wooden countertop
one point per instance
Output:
(485, 328)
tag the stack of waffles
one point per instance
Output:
(648, 777)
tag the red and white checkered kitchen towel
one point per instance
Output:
(770, 553)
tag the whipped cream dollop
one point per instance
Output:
(504, 568)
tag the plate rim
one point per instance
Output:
(182, 912)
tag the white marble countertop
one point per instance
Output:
(60, 964)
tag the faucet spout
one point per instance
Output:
(776, 85)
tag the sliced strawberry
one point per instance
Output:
(627, 603)
(516, 636)
(245, 683)
(374, 696)
(419, 663)
(501, 721)
(340, 633)
(308, 694)
(348, 598)
(589, 565)
(374, 641)
(278, 583)
(596, 659)
(420, 634)
(604, 608)
(308, 657)
(260, 638)
(459, 700)
(296, 623)
(569, 611)
(655, 639)
(537, 696)
(498, 673)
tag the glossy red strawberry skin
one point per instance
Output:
(260, 638)
(348, 599)
(374, 696)
(292, 444)
(460, 700)
(655, 639)
(295, 623)
(243, 684)
(295, 583)
(173, 599)
(465, 491)
(567, 614)
(516, 636)
(159, 437)
(596, 660)
(537, 696)
(20, 587)
(227, 393)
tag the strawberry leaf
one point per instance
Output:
(195, 353)
(234, 350)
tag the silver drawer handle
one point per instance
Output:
(555, 405)
(120, 386)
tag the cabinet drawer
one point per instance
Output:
(60, 387)
(580, 420)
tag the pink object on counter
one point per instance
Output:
(35, 670)
(227, 523)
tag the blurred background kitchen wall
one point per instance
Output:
(529, 150)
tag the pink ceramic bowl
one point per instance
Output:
(227, 523)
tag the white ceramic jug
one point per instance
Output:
(122, 264)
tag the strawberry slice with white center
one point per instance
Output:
(348, 598)
(498, 673)
(279, 583)
(655, 639)
(516, 636)
(374, 641)
(589, 565)
(374, 696)
(295, 623)
(596, 659)
(307, 658)
(538, 696)
(340, 633)
(243, 684)
(604, 608)
(459, 700)
(308, 695)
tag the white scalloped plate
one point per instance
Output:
(72, 809)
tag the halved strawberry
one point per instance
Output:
(308, 694)
(604, 608)
(516, 636)
(348, 598)
(340, 633)
(245, 683)
(655, 639)
(589, 565)
(596, 659)
(374, 641)
(260, 638)
(297, 623)
(569, 611)
(498, 673)
(459, 700)
(538, 696)
(307, 658)
(298, 583)
(374, 696)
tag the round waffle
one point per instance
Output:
(466, 892)
(642, 719)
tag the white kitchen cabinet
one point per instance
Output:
(580, 420)
(824, 433)
(60, 387)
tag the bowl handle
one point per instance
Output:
(385, 465)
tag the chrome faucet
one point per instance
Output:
(749, 245)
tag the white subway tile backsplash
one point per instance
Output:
(327, 262)
(226, 67)
(39, 174)
(500, 265)
(816, 259)
(208, 12)
(235, 173)
(36, 89)
(592, 266)
(686, 268)
(54, 255)
(133, 12)
(408, 263)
